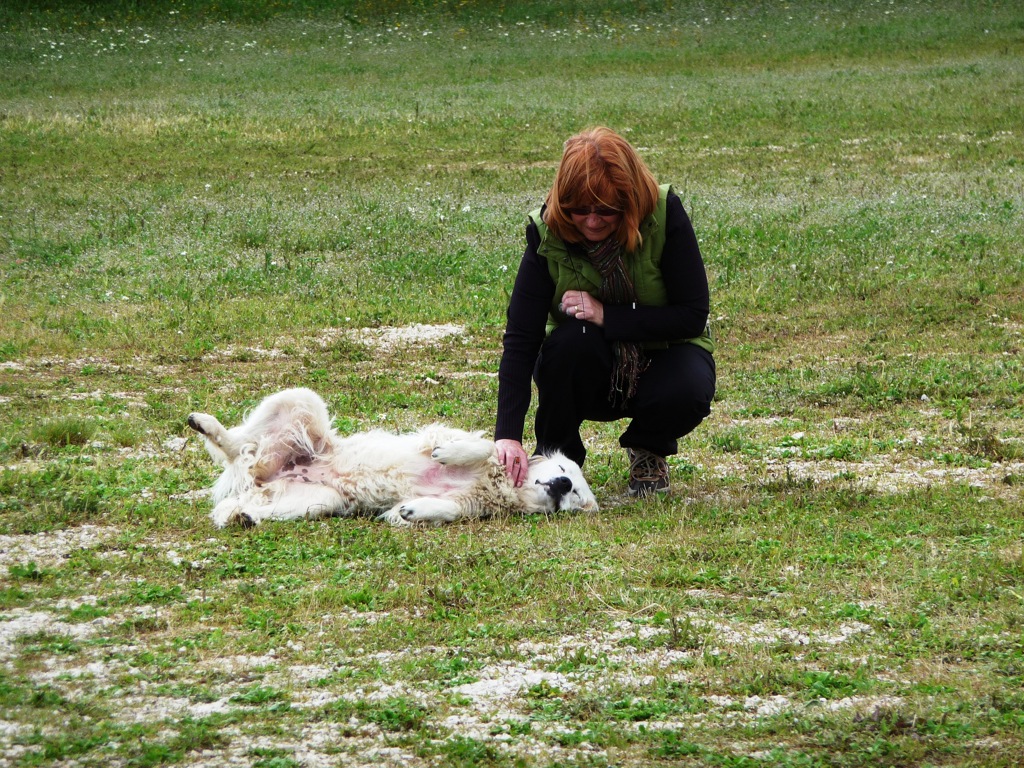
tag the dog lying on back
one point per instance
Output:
(286, 462)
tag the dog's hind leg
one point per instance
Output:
(220, 441)
(291, 501)
(284, 423)
(230, 511)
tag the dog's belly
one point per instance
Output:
(367, 486)
(439, 480)
(303, 473)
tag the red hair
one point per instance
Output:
(599, 167)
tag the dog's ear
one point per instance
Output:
(556, 456)
(540, 458)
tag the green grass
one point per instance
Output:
(201, 203)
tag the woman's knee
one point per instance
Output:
(682, 382)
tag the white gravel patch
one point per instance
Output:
(500, 685)
(389, 338)
(501, 693)
(239, 664)
(503, 682)
(19, 622)
(897, 476)
(50, 548)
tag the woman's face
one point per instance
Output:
(595, 222)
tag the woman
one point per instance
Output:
(609, 314)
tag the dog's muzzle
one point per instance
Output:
(557, 487)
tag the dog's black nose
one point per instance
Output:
(194, 423)
(558, 487)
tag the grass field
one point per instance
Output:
(203, 202)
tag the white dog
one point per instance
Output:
(286, 462)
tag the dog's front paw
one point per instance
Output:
(443, 454)
(463, 452)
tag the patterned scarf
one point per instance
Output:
(617, 288)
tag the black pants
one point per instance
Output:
(573, 376)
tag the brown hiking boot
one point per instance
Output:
(648, 472)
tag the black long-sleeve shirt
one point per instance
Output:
(683, 317)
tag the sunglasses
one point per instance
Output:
(600, 210)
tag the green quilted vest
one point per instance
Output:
(644, 266)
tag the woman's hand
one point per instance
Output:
(513, 457)
(583, 306)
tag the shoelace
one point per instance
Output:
(648, 466)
